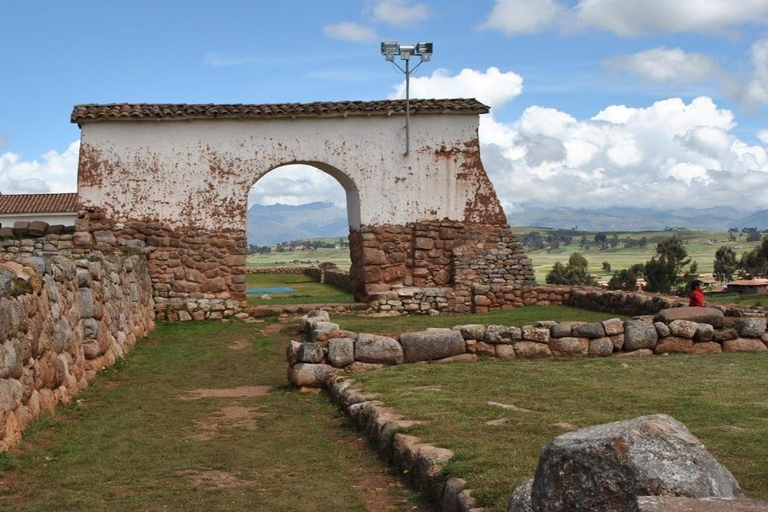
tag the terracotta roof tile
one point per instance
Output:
(38, 203)
(147, 111)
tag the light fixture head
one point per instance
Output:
(424, 50)
(407, 51)
(389, 49)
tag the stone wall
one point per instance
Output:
(332, 350)
(279, 270)
(61, 320)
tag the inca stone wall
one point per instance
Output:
(61, 320)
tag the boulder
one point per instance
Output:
(704, 332)
(531, 350)
(750, 327)
(618, 342)
(683, 328)
(707, 347)
(341, 351)
(591, 330)
(318, 328)
(310, 353)
(310, 375)
(430, 345)
(601, 347)
(521, 498)
(606, 467)
(485, 349)
(744, 345)
(674, 345)
(497, 334)
(561, 330)
(725, 334)
(662, 329)
(505, 351)
(515, 334)
(570, 346)
(711, 316)
(537, 334)
(613, 326)
(472, 331)
(639, 334)
(370, 348)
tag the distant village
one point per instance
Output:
(300, 245)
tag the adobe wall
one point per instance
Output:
(61, 320)
(429, 218)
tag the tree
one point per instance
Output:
(725, 263)
(606, 266)
(624, 279)
(662, 270)
(753, 236)
(576, 272)
(755, 262)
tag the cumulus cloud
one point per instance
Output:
(626, 18)
(754, 92)
(492, 87)
(668, 154)
(54, 172)
(297, 184)
(398, 12)
(662, 65)
(351, 31)
(762, 136)
(513, 17)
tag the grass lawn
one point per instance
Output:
(285, 259)
(129, 443)
(736, 298)
(518, 317)
(720, 398)
(307, 290)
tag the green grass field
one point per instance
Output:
(719, 398)
(306, 290)
(701, 248)
(181, 424)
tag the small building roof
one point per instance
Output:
(749, 282)
(38, 203)
(176, 112)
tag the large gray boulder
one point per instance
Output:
(639, 334)
(750, 327)
(370, 348)
(431, 345)
(711, 316)
(604, 468)
(341, 351)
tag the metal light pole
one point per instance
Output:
(424, 51)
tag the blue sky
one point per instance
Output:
(587, 95)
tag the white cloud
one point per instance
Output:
(668, 154)
(55, 172)
(513, 17)
(762, 136)
(398, 12)
(351, 31)
(492, 87)
(626, 17)
(755, 91)
(297, 184)
(662, 65)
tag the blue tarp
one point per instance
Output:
(275, 289)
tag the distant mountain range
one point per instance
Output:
(269, 225)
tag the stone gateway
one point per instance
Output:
(175, 179)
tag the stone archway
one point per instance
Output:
(173, 176)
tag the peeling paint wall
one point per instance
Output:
(198, 173)
(181, 188)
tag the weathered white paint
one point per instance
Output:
(198, 173)
(53, 219)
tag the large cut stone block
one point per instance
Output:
(639, 334)
(430, 345)
(711, 316)
(370, 348)
(606, 467)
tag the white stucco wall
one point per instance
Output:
(198, 173)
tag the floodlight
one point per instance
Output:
(424, 50)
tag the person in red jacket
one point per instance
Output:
(696, 298)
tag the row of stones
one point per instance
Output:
(35, 229)
(40, 246)
(62, 320)
(424, 463)
(332, 350)
(414, 301)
